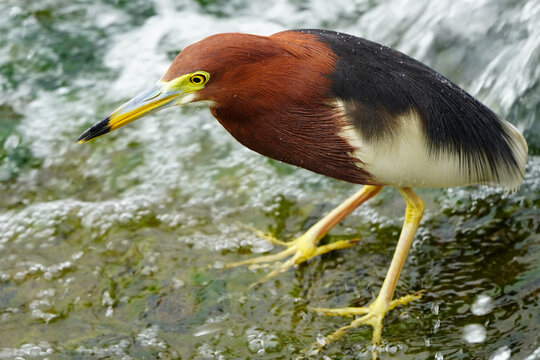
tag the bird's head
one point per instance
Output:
(220, 69)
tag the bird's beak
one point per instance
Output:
(159, 97)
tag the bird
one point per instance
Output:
(347, 108)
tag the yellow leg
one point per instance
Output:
(305, 247)
(374, 313)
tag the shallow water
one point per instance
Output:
(107, 250)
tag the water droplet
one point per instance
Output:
(321, 339)
(261, 342)
(149, 337)
(178, 283)
(77, 255)
(435, 308)
(11, 142)
(261, 246)
(502, 353)
(482, 305)
(474, 333)
(437, 325)
(392, 349)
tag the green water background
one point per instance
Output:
(107, 250)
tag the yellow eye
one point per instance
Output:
(198, 79)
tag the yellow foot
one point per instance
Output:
(372, 315)
(298, 251)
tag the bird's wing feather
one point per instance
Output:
(392, 99)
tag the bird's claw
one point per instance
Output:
(272, 239)
(297, 251)
(372, 315)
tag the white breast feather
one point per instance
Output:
(404, 159)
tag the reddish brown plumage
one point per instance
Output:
(273, 95)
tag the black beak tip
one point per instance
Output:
(96, 130)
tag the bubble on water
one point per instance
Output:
(116, 350)
(391, 348)
(43, 315)
(261, 341)
(11, 142)
(28, 225)
(435, 308)
(436, 325)
(535, 355)
(29, 350)
(149, 338)
(77, 255)
(49, 272)
(168, 153)
(261, 246)
(46, 293)
(144, 64)
(149, 270)
(178, 283)
(502, 353)
(321, 339)
(37, 303)
(482, 305)
(474, 333)
(206, 352)
(108, 301)
(229, 238)
(125, 217)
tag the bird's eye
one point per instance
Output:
(198, 79)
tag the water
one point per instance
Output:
(106, 248)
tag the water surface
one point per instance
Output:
(107, 250)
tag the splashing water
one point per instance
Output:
(105, 249)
